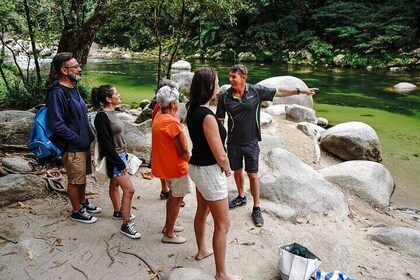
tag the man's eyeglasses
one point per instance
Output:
(74, 67)
(237, 68)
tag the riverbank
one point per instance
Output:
(50, 246)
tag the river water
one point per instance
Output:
(345, 95)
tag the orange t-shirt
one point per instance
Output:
(166, 162)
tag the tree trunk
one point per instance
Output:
(32, 37)
(79, 40)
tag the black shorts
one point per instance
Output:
(250, 152)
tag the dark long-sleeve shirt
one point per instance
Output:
(68, 120)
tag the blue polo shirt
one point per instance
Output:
(244, 114)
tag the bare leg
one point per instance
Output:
(239, 180)
(172, 209)
(74, 195)
(128, 191)
(82, 192)
(114, 194)
(220, 212)
(200, 227)
(254, 183)
(164, 185)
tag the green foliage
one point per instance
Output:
(20, 96)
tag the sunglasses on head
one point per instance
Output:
(237, 68)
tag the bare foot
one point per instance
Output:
(228, 276)
(204, 254)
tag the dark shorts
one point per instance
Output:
(250, 152)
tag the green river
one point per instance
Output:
(344, 95)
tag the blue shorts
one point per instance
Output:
(116, 172)
(249, 152)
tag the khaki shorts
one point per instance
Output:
(181, 186)
(77, 165)
(210, 181)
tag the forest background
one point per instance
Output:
(368, 33)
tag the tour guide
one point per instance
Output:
(242, 102)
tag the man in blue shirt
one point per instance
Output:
(242, 103)
(69, 122)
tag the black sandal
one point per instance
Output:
(164, 195)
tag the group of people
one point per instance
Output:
(208, 165)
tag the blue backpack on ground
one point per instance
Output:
(41, 138)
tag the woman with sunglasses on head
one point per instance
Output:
(110, 135)
(209, 166)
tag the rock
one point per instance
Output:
(17, 164)
(15, 187)
(246, 56)
(45, 52)
(145, 115)
(323, 122)
(352, 141)
(187, 274)
(135, 112)
(216, 55)
(339, 60)
(280, 211)
(180, 66)
(369, 180)
(369, 68)
(299, 113)
(182, 111)
(310, 129)
(276, 110)
(144, 103)
(406, 239)
(300, 187)
(394, 69)
(404, 87)
(289, 82)
(268, 143)
(15, 127)
(138, 138)
(184, 80)
(265, 118)
(123, 107)
(126, 117)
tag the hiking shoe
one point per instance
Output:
(118, 216)
(175, 240)
(90, 207)
(83, 217)
(176, 229)
(257, 217)
(129, 230)
(238, 201)
(182, 204)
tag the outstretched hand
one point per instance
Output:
(309, 91)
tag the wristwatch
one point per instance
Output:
(297, 91)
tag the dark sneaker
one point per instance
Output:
(83, 217)
(118, 216)
(129, 230)
(238, 201)
(164, 195)
(90, 207)
(257, 217)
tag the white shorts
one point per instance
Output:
(210, 181)
(181, 186)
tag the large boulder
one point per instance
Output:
(369, 180)
(15, 127)
(181, 66)
(404, 87)
(310, 129)
(298, 113)
(406, 239)
(352, 141)
(183, 79)
(265, 119)
(145, 115)
(16, 164)
(289, 82)
(276, 110)
(246, 56)
(268, 143)
(300, 187)
(138, 138)
(15, 187)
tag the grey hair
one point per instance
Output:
(166, 95)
